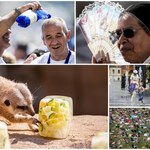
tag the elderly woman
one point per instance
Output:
(133, 34)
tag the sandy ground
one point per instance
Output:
(83, 128)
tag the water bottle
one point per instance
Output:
(29, 17)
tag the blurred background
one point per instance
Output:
(83, 53)
(30, 37)
(86, 84)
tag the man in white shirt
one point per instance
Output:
(55, 36)
(7, 21)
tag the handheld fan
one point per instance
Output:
(96, 22)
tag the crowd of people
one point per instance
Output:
(129, 128)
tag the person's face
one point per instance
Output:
(137, 48)
(55, 39)
(5, 40)
(19, 53)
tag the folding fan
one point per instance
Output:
(96, 22)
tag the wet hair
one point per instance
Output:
(56, 21)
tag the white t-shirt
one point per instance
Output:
(134, 78)
(2, 61)
(44, 58)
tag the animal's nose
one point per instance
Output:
(31, 110)
(33, 113)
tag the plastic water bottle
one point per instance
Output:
(29, 17)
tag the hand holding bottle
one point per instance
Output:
(31, 15)
(33, 6)
(8, 20)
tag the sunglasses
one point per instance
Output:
(127, 32)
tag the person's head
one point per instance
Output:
(141, 84)
(5, 41)
(135, 72)
(133, 33)
(20, 51)
(55, 35)
(38, 52)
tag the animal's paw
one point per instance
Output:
(33, 124)
(34, 127)
(5, 120)
(35, 121)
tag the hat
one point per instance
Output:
(141, 11)
(135, 71)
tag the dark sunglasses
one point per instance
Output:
(127, 32)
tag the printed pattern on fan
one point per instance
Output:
(96, 22)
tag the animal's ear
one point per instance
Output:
(6, 102)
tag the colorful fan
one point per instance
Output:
(96, 22)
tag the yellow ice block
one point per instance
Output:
(4, 138)
(55, 114)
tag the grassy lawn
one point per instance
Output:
(129, 128)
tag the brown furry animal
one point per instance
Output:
(16, 103)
